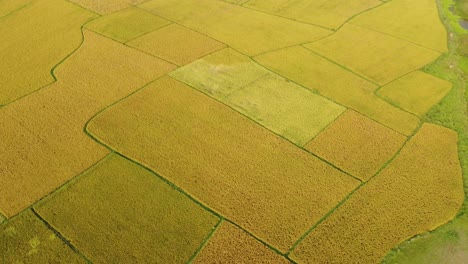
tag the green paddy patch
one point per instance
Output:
(27, 239)
(120, 212)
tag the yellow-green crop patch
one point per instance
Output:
(246, 30)
(416, 92)
(43, 144)
(326, 13)
(282, 106)
(418, 191)
(220, 73)
(357, 144)
(9, 6)
(316, 73)
(37, 37)
(285, 108)
(379, 57)
(254, 178)
(26, 239)
(230, 244)
(119, 212)
(127, 24)
(414, 20)
(106, 6)
(177, 44)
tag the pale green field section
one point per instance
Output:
(177, 44)
(104, 7)
(8, 7)
(420, 190)
(260, 181)
(119, 212)
(39, 36)
(378, 57)
(416, 92)
(245, 30)
(221, 73)
(230, 244)
(285, 108)
(127, 24)
(281, 106)
(332, 81)
(449, 245)
(357, 144)
(26, 239)
(43, 143)
(327, 13)
(413, 20)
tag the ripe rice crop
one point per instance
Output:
(379, 57)
(416, 92)
(177, 44)
(118, 212)
(127, 24)
(104, 7)
(223, 159)
(418, 191)
(330, 80)
(246, 30)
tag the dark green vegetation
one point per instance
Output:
(448, 244)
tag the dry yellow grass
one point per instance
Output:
(246, 30)
(37, 38)
(416, 92)
(414, 20)
(285, 108)
(26, 239)
(119, 212)
(357, 144)
(106, 6)
(326, 13)
(316, 73)
(258, 180)
(230, 244)
(127, 24)
(418, 191)
(177, 44)
(379, 57)
(43, 144)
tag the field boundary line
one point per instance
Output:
(61, 237)
(203, 244)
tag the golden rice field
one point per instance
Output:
(233, 131)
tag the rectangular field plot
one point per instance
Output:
(326, 13)
(26, 239)
(118, 212)
(127, 24)
(285, 108)
(414, 20)
(316, 73)
(246, 30)
(379, 57)
(416, 92)
(241, 170)
(177, 44)
(230, 243)
(421, 189)
(357, 144)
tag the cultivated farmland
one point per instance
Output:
(233, 131)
